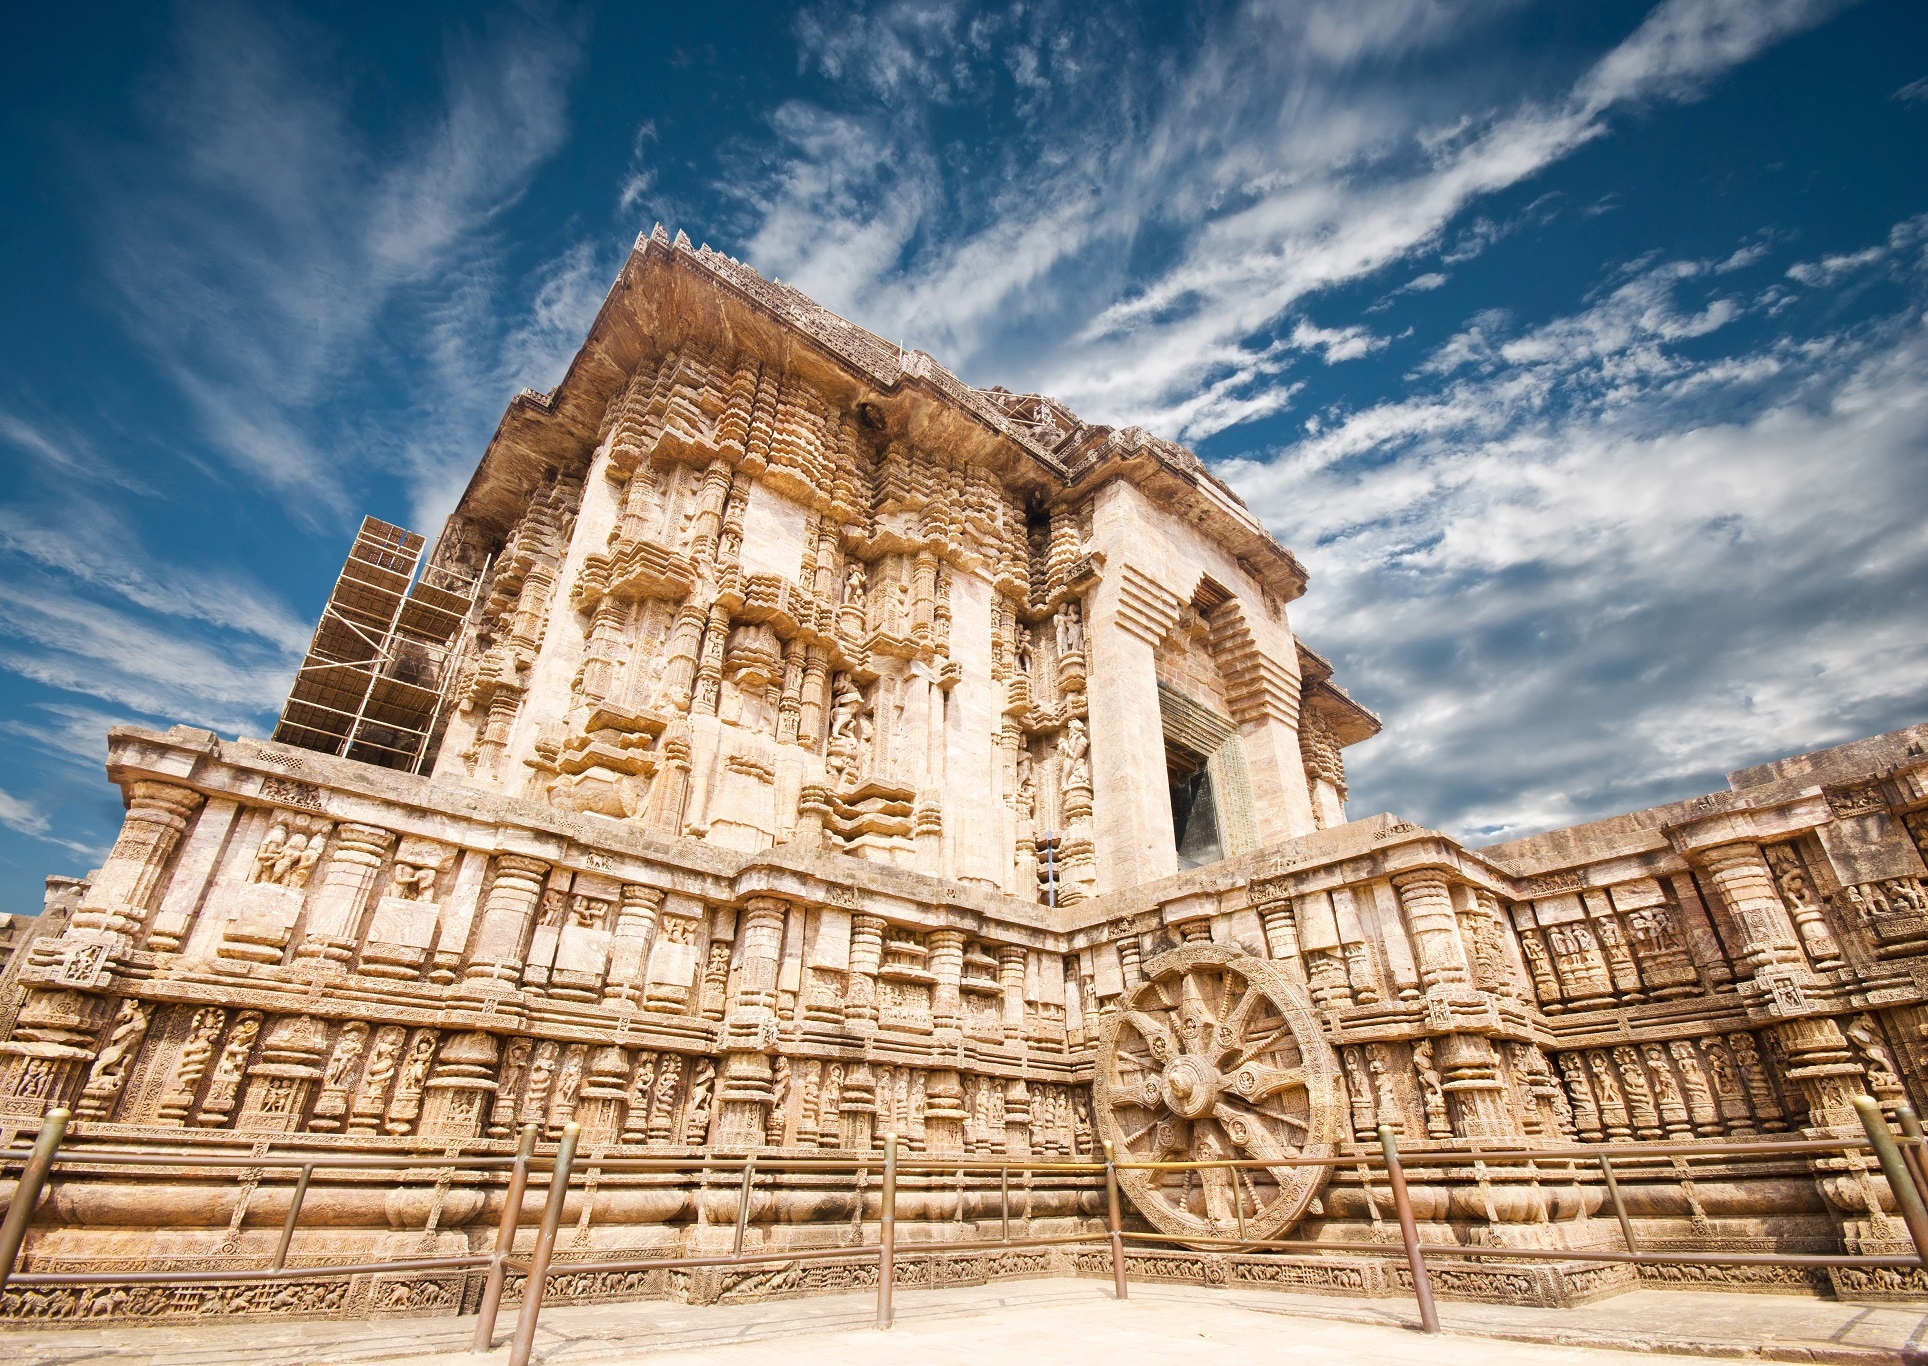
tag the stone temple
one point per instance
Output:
(785, 743)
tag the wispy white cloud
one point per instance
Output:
(26, 818)
(1592, 549)
(1294, 151)
(269, 253)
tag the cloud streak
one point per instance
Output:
(268, 253)
(1294, 153)
(1548, 560)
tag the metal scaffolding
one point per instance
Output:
(378, 670)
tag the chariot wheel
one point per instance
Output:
(1216, 1055)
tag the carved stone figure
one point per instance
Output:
(1432, 1093)
(1073, 746)
(696, 1119)
(109, 1072)
(1070, 628)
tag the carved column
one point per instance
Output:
(1131, 961)
(1281, 932)
(278, 1084)
(857, 1108)
(603, 649)
(1822, 1064)
(944, 1112)
(1017, 1118)
(119, 897)
(1740, 875)
(679, 658)
(709, 666)
(496, 964)
(947, 965)
(1011, 960)
(745, 1090)
(810, 695)
(334, 920)
(1427, 901)
(1472, 1080)
(629, 950)
(866, 957)
(760, 928)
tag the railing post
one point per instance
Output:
(505, 1228)
(525, 1324)
(1911, 1152)
(887, 1232)
(26, 1193)
(1402, 1202)
(294, 1214)
(1907, 1198)
(743, 1204)
(1619, 1205)
(1116, 1220)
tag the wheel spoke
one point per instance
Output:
(1158, 1039)
(1195, 1019)
(1255, 1082)
(1259, 1050)
(1244, 1130)
(1231, 1030)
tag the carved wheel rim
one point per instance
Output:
(1216, 1055)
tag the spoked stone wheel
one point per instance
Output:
(1216, 1055)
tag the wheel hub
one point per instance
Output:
(1192, 1086)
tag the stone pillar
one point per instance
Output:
(866, 957)
(679, 658)
(1740, 875)
(1472, 1080)
(629, 950)
(745, 1089)
(1281, 933)
(1427, 900)
(760, 929)
(121, 894)
(496, 965)
(1197, 930)
(1011, 959)
(1017, 1118)
(1821, 1063)
(857, 1109)
(947, 965)
(457, 1098)
(334, 920)
(944, 1112)
(278, 1084)
(1131, 960)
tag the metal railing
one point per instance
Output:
(1900, 1159)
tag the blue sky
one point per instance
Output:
(1578, 350)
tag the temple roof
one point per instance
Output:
(670, 293)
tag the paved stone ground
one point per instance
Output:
(1071, 1321)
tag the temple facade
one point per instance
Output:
(813, 746)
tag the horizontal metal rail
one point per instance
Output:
(264, 1274)
(1551, 1254)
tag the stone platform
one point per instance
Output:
(1056, 1321)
